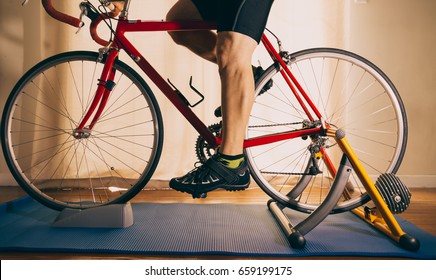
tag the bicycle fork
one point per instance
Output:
(105, 86)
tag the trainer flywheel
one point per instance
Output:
(394, 192)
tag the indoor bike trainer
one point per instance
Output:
(396, 195)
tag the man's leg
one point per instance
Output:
(234, 55)
(227, 169)
(233, 52)
(202, 43)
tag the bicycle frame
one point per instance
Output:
(121, 42)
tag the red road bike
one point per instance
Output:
(83, 129)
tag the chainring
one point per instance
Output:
(202, 149)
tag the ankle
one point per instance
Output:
(231, 161)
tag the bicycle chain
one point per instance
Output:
(271, 125)
(284, 173)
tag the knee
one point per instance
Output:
(234, 52)
(229, 61)
(225, 64)
(182, 10)
(177, 36)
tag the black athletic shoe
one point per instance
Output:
(210, 176)
(257, 72)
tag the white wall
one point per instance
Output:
(400, 37)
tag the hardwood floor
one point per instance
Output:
(422, 213)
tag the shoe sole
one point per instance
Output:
(204, 194)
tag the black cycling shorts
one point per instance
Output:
(248, 17)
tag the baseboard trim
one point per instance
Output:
(411, 181)
(419, 181)
(7, 180)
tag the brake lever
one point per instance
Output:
(83, 12)
(86, 11)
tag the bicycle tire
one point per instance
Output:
(358, 97)
(111, 165)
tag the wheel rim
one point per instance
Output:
(63, 167)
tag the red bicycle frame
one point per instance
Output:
(121, 42)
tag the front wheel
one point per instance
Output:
(351, 93)
(62, 169)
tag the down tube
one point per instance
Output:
(168, 91)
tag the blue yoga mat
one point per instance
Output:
(201, 229)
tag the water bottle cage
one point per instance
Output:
(184, 98)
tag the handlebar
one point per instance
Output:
(48, 6)
(76, 22)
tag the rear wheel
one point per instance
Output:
(351, 93)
